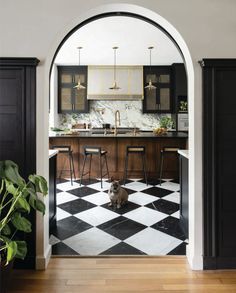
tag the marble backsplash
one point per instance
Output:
(104, 112)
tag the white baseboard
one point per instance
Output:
(42, 261)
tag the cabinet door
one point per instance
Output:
(159, 99)
(70, 99)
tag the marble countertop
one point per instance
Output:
(52, 153)
(184, 153)
(146, 134)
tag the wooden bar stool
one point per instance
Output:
(90, 151)
(66, 149)
(165, 151)
(140, 150)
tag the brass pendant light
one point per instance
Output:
(114, 86)
(150, 86)
(79, 86)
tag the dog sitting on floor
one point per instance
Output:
(118, 195)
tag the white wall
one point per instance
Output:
(35, 28)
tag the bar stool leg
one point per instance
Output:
(126, 167)
(144, 167)
(90, 161)
(73, 167)
(161, 166)
(82, 172)
(105, 157)
(100, 163)
(70, 161)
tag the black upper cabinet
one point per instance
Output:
(70, 99)
(158, 100)
(179, 85)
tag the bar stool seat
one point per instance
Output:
(135, 150)
(166, 150)
(90, 151)
(66, 149)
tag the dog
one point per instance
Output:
(118, 195)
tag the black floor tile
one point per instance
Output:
(152, 181)
(76, 206)
(156, 191)
(179, 250)
(87, 181)
(170, 226)
(58, 190)
(164, 206)
(121, 227)
(175, 181)
(82, 191)
(123, 248)
(70, 226)
(62, 249)
(127, 207)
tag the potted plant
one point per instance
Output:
(17, 199)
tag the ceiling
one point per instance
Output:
(133, 37)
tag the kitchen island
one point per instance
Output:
(115, 145)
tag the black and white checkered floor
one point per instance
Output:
(147, 225)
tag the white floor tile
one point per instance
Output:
(174, 197)
(176, 215)
(97, 186)
(65, 186)
(63, 197)
(137, 186)
(145, 216)
(96, 216)
(142, 198)
(170, 186)
(153, 242)
(61, 214)
(53, 240)
(98, 198)
(91, 242)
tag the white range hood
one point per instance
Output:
(128, 78)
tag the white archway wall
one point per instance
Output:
(35, 28)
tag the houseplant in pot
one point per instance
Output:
(17, 198)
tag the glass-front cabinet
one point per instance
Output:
(71, 99)
(157, 99)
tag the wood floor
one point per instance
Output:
(143, 274)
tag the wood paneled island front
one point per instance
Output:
(116, 151)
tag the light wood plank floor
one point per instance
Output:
(131, 274)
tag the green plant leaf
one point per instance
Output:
(40, 206)
(6, 230)
(23, 204)
(21, 249)
(10, 187)
(11, 250)
(32, 201)
(12, 174)
(43, 186)
(21, 223)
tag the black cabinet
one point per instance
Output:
(70, 99)
(159, 100)
(219, 162)
(52, 192)
(184, 196)
(18, 127)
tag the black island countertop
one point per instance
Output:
(122, 134)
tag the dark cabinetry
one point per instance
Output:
(219, 157)
(52, 191)
(18, 126)
(184, 196)
(157, 100)
(70, 99)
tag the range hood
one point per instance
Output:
(130, 79)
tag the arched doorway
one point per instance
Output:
(195, 241)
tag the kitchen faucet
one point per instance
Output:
(117, 121)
